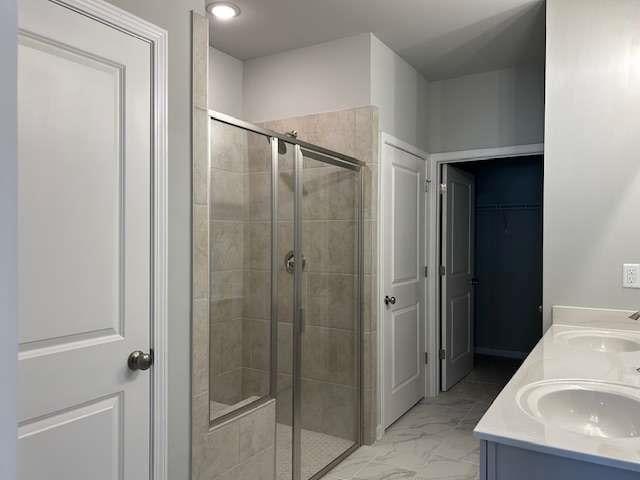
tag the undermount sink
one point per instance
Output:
(600, 341)
(594, 409)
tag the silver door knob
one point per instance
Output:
(139, 360)
(389, 300)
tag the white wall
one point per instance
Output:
(226, 83)
(346, 73)
(175, 17)
(492, 109)
(8, 247)
(592, 167)
(400, 93)
(325, 77)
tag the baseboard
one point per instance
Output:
(494, 352)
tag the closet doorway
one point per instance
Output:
(490, 252)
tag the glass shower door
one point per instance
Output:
(284, 368)
(327, 316)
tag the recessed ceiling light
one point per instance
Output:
(223, 10)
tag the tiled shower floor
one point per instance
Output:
(318, 450)
(434, 439)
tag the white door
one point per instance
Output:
(403, 280)
(458, 215)
(84, 210)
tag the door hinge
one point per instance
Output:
(426, 271)
(443, 270)
(426, 357)
(427, 182)
(443, 188)
(443, 354)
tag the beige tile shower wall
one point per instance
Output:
(243, 447)
(328, 370)
(256, 346)
(227, 226)
(240, 230)
(239, 449)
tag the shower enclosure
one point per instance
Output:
(286, 269)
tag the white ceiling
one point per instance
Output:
(441, 38)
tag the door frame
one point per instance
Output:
(436, 160)
(8, 238)
(157, 38)
(387, 139)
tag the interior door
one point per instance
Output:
(403, 178)
(458, 214)
(84, 263)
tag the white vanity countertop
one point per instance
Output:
(554, 359)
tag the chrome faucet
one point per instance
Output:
(635, 316)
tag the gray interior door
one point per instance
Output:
(458, 207)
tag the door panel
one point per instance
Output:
(403, 252)
(460, 331)
(68, 431)
(457, 291)
(460, 229)
(84, 258)
(406, 184)
(406, 330)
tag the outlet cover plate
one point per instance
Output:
(631, 275)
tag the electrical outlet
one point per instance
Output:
(631, 275)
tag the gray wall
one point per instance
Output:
(8, 248)
(400, 93)
(338, 75)
(592, 168)
(226, 83)
(322, 78)
(492, 109)
(175, 17)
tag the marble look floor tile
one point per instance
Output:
(379, 471)
(434, 440)
(458, 445)
(411, 454)
(440, 468)
(357, 461)
(432, 419)
(397, 435)
(450, 399)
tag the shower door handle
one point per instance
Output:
(301, 320)
(290, 262)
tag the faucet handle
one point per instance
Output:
(635, 316)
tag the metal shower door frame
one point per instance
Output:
(298, 317)
(302, 149)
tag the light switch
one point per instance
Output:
(631, 275)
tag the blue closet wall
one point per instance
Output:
(508, 253)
